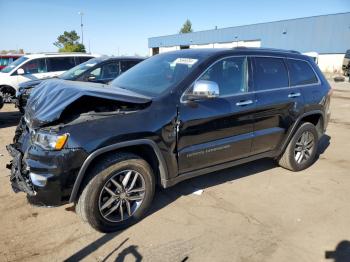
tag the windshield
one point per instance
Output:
(156, 74)
(79, 69)
(14, 64)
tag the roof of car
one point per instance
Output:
(11, 55)
(240, 50)
(38, 55)
(105, 58)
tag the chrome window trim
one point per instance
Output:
(254, 91)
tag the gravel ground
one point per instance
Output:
(253, 212)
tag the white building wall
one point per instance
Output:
(165, 49)
(331, 63)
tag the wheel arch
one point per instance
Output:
(145, 148)
(8, 88)
(315, 117)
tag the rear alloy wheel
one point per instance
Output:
(118, 192)
(302, 149)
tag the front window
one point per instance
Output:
(35, 66)
(13, 65)
(230, 74)
(79, 69)
(157, 74)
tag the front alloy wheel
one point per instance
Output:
(122, 195)
(117, 193)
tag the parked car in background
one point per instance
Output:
(346, 63)
(5, 60)
(172, 117)
(98, 70)
(1, 102)
(36, 66)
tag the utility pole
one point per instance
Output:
(81, 25)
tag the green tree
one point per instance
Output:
(69, 42)
(187, 27)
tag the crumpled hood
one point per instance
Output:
(31, 83)
(50, 98)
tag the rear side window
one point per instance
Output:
(125, 65)
(82, 59)
(55, 64)
(301, 73)
(269, 73)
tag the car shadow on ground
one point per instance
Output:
(164, 197)
(341, 252)
(8, 119)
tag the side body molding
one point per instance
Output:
(162, 165)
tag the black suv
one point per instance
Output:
(98, 70)
(172, 117)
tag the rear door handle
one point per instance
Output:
(244, 103)
(291, 95)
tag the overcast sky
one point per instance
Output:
(113, 27)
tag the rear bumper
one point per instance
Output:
(57, 171)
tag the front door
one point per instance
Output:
(33, 70)
(219, 130)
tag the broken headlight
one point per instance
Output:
(50, 141)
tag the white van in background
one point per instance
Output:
(37, 66)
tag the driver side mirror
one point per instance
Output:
(204, 89)
(91, 78)
(20, 71)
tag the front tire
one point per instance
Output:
(118, 194)
(301, 150)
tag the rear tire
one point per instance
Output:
(301, 150)
(118, 193)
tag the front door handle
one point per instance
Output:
(291, 95)
(244, 103)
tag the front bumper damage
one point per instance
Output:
(56, 169)
(19, 177)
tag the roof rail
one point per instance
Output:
(268, 49)
(59, 53)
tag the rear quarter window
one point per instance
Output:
(301, 73)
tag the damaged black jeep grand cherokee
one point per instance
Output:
(171, 117)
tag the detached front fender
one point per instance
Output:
(162, 164)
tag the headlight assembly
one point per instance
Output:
(50, 141)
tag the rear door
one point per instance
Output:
(277, 104)
(215, 131)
